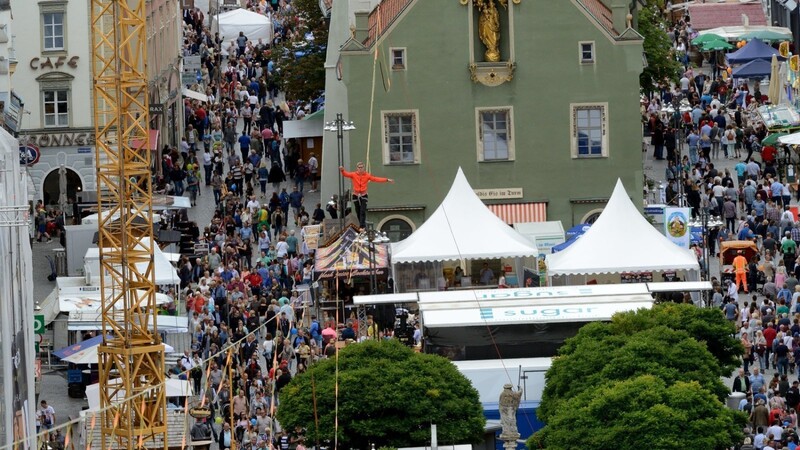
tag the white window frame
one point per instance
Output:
(394, 65)
(53, 7)
(417, 148)
(509, 130)
(57, 123)
(573, 129)
(583, 60)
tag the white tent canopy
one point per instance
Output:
(621, 240)
(174, 388)
(462, 228)
(165, 272)
(254, 25)
(790, 139)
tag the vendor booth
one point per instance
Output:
(755, 49)
(459, 240)
(621, 241)
(254, 25)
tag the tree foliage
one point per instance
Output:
(661, 63)
(648, 379)
(388, 395)
(642, 412)
(599, 357)
(704, 324)
(303, 77)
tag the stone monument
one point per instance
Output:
(509, 403)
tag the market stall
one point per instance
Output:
(454, 246)
(620, 242)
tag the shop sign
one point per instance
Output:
(64, 139)
(29, 154)
(54, 62)
(156, 109)
(499, 193)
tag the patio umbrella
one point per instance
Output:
(772, 139)
(703, 38)
(62, 189)
(716, 44)
(775, 83)
(764, 35)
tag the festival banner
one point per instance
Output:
(676, 226)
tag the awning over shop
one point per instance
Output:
(346, 257)
(511, 213)
(153, 135)
(195, 95)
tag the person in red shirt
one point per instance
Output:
(768, 154)
(361, 179)
(769, 334)
(740, 266)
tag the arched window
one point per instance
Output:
(397, 229)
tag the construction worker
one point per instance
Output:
(740, 267)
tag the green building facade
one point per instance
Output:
(545, 122)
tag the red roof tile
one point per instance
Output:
(383, 16)
(713, 15)
(602, 13)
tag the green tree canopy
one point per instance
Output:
(704, 324)
(599, 356)
(303, 78)
(661, 63)
(388, 395)
(642, 413)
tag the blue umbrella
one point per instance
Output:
(577, 230)
(564, 245)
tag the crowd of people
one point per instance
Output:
(251, 316)
(697, 125)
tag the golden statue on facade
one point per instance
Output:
(489, 27)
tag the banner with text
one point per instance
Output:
(676, 225)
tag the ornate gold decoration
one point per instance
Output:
(492, 74)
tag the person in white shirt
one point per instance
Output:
(313, 168)
(775, 430)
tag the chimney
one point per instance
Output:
(619, 14)
(361, 32)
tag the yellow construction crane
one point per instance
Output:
(131, 358)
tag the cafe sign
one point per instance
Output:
(54, 62)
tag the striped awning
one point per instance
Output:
(511, 213)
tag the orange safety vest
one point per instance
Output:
(740, 264)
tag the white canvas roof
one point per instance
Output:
(732, 33)
(166, 274)
(174, 388)
(254, 25)
(621, 240)
(462, 227)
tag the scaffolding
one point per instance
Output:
(131, 358)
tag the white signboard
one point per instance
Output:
(191, 63)
(498, 193)
(522, 314)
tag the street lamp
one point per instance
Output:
(339, 126)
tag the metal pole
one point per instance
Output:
(340, 156)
